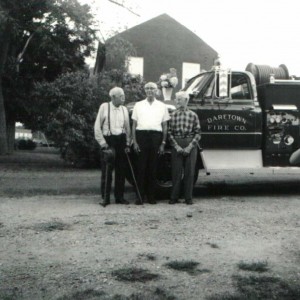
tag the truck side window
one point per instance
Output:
(240, 88)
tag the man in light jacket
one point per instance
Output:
(112, 132)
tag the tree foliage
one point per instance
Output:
(40, 39)
(70, 105)
(118, 50)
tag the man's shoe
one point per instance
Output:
(138, 202)
(189, 202)
(152, 201)
(173, 201)
(122, 201)
(104, 203)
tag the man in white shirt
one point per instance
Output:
(149, 133)
(112, 132)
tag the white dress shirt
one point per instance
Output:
(150, 116)
(119, 123)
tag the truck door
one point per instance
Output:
(232, 122)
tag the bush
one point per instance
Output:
(26, 144)
(69, 106)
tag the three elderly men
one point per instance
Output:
(149, 134)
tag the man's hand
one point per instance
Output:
(161, 149)
(187, 150)
(136, 147)
(178, 149)
(109, 155)
(127, 149)
(104, 146)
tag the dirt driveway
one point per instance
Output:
(233, 243)
(68, 247)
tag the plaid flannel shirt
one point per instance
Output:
(184, 123)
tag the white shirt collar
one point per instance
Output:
(154, 101)
(115, 107)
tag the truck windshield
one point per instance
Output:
(196, 84)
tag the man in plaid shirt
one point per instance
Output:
(184, 134)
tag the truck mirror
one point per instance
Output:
(193, 94)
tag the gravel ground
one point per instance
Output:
(240, 240)
(55, 246)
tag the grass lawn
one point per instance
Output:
(42, 171)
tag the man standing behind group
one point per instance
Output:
(184, 134)
(112, 132)
(149, 133)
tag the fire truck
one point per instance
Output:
(249, 120)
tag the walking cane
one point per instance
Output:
(199, 147)
(106, 178)
(109, 156)
(134, 180)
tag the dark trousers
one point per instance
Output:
(149, 142)
(183, 165)
(118, 143)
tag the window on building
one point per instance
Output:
(189, 70)
(135, 65)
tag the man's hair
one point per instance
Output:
(182, 94)
(116, 91)
(150, 83)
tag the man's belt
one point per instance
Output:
(116, 135)
(183, 137)
(149, 131)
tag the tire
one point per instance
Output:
(164, 174)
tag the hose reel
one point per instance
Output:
(262, 73)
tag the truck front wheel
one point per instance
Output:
(164, 174)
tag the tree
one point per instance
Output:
(118, 50)
(70, 105)
(40, 39)
(122, 4)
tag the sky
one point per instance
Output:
(263, 32)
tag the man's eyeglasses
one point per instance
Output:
(150, 88)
